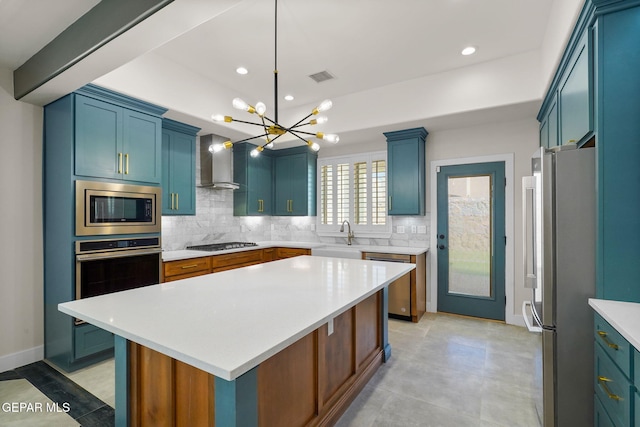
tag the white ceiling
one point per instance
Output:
(368, 45)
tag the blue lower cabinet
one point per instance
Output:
(601, 418)
(90, 339)
(614, 377)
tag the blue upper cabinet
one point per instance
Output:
(575, 95)
(178, 168)
(567, 113)
(255, 177)
(406, 171)
(115, 141)
(295, 182)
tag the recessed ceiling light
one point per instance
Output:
(469, 50)
(288, 97)
(242, 70)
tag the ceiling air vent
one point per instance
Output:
(322, 76)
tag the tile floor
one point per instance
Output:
(444, 371)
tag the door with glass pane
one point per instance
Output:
(471, 239)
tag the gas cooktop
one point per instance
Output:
(221, 246)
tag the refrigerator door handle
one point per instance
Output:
(528, 231)
(527, 322)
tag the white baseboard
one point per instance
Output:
(21, 358)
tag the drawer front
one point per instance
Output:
(269, 254)
(234, 266)
(90, 339)
(291, 252)
(601, 418)
(613, 344)
(187, 266)
(613, 388)
(238, 258)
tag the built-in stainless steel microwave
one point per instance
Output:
(104, 208)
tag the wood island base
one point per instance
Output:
(309, 383)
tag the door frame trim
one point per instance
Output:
(509, 278)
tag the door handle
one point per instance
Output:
(172, 201)
(126, 164)
(119, 162)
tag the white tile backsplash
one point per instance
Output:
(214, 222)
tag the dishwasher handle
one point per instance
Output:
(389, 258)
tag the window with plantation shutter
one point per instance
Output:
(354, 188)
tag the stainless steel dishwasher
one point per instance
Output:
(399, 290)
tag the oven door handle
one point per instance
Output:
(116, 254)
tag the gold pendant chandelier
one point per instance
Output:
(271, 128)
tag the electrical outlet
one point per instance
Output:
(422, 229)
(400, 229)
(413, 229)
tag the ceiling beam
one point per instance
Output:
(106, 21)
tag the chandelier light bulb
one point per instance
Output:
(322, 119)
(241, 105)
(214, 148)
(217, 117)
(269, 145)
(329, 137)
(313, 145)
(324, 106)
(261, 108)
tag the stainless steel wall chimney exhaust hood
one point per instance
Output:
(216, 170)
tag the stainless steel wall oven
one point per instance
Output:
(106, 266)
(106, 208)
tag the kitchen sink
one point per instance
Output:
(337, 251)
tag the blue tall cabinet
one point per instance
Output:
(594, 100)
(91, 134)
(178, 168)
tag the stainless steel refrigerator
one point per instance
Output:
(559, 226)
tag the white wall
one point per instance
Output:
(21, 264)
(519, 138)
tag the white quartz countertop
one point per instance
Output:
(623, 316)
(186, 253)
(229, 322)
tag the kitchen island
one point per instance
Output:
(289, 342)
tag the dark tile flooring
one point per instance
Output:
(82, 407)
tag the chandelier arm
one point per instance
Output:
(300, 125)
(298, 136)
(301, 120)
(253, 137)
(247, 123)
(301, 131)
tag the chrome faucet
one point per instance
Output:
(349, 233)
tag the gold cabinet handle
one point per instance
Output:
(172, 201)
(390, 204)
(260, 205)
(184, 267)
(603, 335)
(603, 381)
(177, 201)
(119, 162)
(126, 162)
